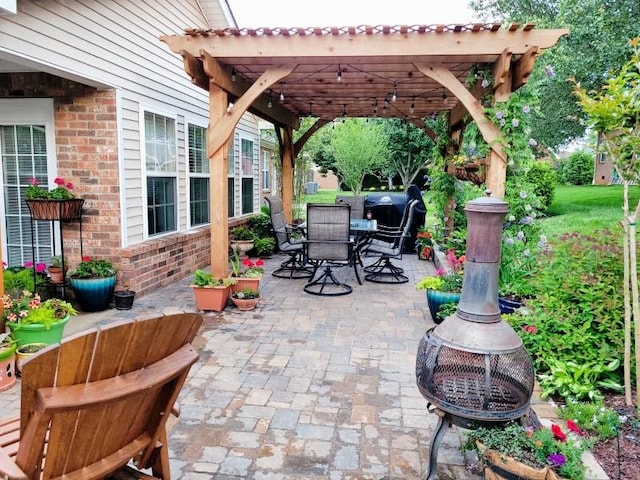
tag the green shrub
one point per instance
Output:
(544, 180)
(577, 169)
(593, 417)
(577, 314)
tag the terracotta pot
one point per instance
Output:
(211, 298)
(56, 274)
(242, 283)
(245, 303)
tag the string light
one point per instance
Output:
(229, 107)
(394, 94)
(339, 76)
(233, 75)
(413, 105)
(281, 94)
(269, 102)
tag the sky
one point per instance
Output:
(340, 13)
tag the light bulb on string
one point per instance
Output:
(339, 75)
(413, 105)
(394, 94)
(281, 95)
(233, 75)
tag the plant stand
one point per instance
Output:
(59, 211)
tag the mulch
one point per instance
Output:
(620, 456)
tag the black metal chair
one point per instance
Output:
(328, 246)
(388, 243)
(356, 202)
(289, 241)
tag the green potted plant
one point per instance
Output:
(424, 244)
(242, 240)
(93, 282)
(246, 299)
(7, 362)
(247, 272)
(445, 286)
(33, 321)
(59, 203)
(516, 451)
(211, 293)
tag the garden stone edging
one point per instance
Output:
(544, 409)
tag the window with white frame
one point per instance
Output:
(266, 170)
(161, 168)
(198, 175)
(246, 160)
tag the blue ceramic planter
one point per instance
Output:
(508, 306)
(436, 298)
(93, 294)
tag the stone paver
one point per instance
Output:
(303, 387)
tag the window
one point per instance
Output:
(266, 170)
(23, 151)
(602, 158)
(246, 159)
(198, 176)
(160, 160)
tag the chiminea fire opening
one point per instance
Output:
(473, 367)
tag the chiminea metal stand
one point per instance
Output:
(473, 367)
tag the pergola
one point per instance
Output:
(410, 72)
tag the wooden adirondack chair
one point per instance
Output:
(98, 400)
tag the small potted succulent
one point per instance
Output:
(246, 299)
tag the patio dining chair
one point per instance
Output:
(98, 402)
(289, 241)
(387, 244)
(356, 202)
(329, 246)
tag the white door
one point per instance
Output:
(27, 149)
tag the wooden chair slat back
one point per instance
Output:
(83, 437)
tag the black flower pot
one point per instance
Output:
(124, 299)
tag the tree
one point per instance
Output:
(410, 149)
(614, 110)
(595, 46)
(359, 149)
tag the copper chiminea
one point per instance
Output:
(473, 366)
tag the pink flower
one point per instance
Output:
(33, 181)
(59, 181)
(28, 264)
(259, 263)
(530, 328)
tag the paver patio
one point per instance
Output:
(303, 387)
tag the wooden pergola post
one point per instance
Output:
(218, 188)
(288, 163)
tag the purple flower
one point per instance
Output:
(523, 194)
(508, 241)
(485, 83)
(499, 115)
(515, 122)
(526, 252)
(526, 109)
(520, 235)
(532, 142)
(557, 459)
(549, 71)
(527, 208)
(502, 122)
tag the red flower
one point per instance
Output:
(247, 262)
(59, 181)
(574, 428)
(558, 434)
(530, 328)
(259, 263)
(86, 258)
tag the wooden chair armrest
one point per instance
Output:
(9, 469)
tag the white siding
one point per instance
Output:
(115, 44)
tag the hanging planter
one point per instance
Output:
(45, 209)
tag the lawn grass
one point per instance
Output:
(586, 209)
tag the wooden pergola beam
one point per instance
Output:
(523, 67)
(318, 124)
(219, 133)
(212, 69)
(281, 48)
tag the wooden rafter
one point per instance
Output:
(523, 67)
